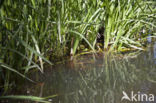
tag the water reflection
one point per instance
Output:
(154, 50)
(149, 39)
(95, 79)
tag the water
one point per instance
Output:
(98, 78)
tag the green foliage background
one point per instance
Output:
(33, 32)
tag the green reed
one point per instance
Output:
(34, 32)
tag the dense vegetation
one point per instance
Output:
(33, 32)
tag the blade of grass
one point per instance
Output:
(23, 97)
(5, 66)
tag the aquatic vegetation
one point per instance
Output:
(31, 98)
(34, 32)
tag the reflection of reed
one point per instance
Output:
(105, 84)
(99, 84)
(154, 52)
(103, 80)
(41, 90)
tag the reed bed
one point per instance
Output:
(35, 32)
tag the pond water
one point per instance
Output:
(100, 78)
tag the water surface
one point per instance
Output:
(98, 78)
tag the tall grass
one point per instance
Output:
(124, 19)
(34, 32)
